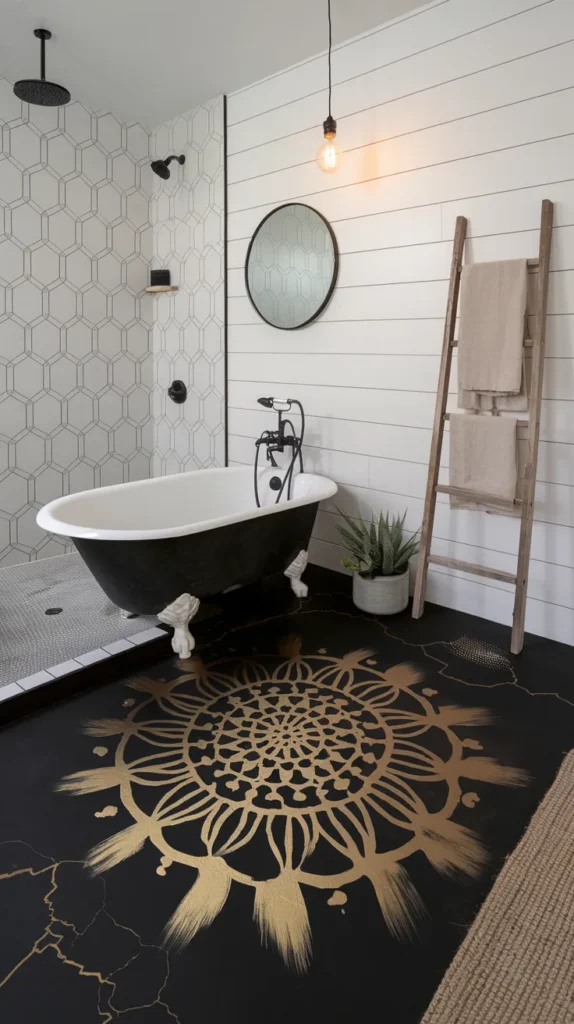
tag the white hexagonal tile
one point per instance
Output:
(137, 274)
(64, 448)
(96, 443)
(78, 268)
(139, 467)
(28, 532)
(212, 267)
(212, 410)
(78, 196)
(13, 493)
(80, 410)
(202, 443)
(212, 339)
(10, 181)
(94, 235)
(78, 122)
(61, 229)
(94, 305)
(10, 104)
(201, 375)
(79, 340)
(94, 164)
(95, 374)
(201, 305)
(11, 261)
(124, 373)
(138, 405)
(201, 196)
(124, 171)
(12, 342)
(63, 376)
(27, 301)
(138, 340)
(28, 377)
(12, 417)
(212, 228)
(212, 159)
(109, 199)
(181, 307)
(138, 141)
(124, 239)
(109, 271)
(112, 472)
(61, 155)
(30, 452)
(62, 304)
(48, 485)
(81, 477)
(46, 339)
(137, 209)
(109, 340)
(109, 132)
(25, 146)
(123, 305)
(179, 137)
(181, 200)
(125, 441)
(26, 224)
(200, 126)
(45, 264)
(47, 413)
(191, 269)
(110, 407)
(44, 189)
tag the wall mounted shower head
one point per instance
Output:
(38, 90)
(161, 167)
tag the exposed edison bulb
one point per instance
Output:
(329, 155)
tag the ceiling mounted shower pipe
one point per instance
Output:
(161, 167)
(37, 90)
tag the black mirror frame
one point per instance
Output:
(335, 267)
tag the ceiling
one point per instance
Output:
(149, 60)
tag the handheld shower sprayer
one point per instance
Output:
(276, 441)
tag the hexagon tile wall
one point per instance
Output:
(75, 361)
(188, 334)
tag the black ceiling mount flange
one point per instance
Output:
(177, 391)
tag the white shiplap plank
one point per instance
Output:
(391, 45)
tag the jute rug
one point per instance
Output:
(516, 966)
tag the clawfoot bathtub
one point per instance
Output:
(155, 546)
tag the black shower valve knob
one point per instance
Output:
(177, 391)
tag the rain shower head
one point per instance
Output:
(161, 168)
(38, 90)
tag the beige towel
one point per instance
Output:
(483, 458)
(505, 403)
(491, 334)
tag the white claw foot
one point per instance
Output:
(179, 614)
(294, 573)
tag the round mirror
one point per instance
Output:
(292, 265)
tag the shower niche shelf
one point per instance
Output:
(154, 288)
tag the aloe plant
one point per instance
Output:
(377, 549)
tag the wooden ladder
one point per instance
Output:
(525, 503)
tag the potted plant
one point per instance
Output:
(379, 557)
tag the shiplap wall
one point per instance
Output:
(464, 107)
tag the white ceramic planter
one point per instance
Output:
(383, 595)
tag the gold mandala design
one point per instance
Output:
(306, 753)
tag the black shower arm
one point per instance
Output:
(180, 159)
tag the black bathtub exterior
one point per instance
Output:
(144, 576)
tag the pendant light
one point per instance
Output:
(329, 155)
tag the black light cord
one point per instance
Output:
(330, 47)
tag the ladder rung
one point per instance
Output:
(481, 499)
(477, 570)
(528, 343)
(519, 423)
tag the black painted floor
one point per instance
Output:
(298, 824)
